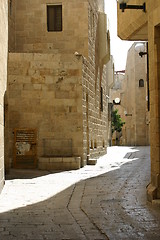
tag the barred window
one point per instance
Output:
(54, 18)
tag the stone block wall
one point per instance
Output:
(59, 163)
(95, 121)
(57, 81)
(141, 101)
(94, 82)
(3, 79)
(133, 107)
(154, 80)
(133, 24)
(135, 100)
(45, 93)
(11, 24)
(31, 33)
(129, 100)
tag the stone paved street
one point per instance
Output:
(106, 201)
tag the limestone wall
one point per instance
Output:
(135, 102)
(133, 107)
(94, 82)
(154, 80)
(45, 93)
(3, 79)
(132, 24)
(31, 33)
(57, 80)
(11, 23)
(95, 120)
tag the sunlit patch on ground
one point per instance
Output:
(21, 191)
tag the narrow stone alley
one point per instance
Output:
(106, 201)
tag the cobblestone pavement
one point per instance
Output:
(106, 201)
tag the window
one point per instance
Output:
(110, 107)
(54, 18)
(92, 23)
(141, 83)
(10, 7)
(91, 145)
(101, 100)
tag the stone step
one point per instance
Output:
(59, 163)
(92, 162)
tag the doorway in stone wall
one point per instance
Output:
(25, 148)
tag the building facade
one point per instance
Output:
(3, 79)
(57, 113)
(139, 25)
(135, 100)
(110, 84)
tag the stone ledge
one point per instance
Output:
(59, 163)
(91, 161)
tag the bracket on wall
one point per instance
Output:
(123, 5)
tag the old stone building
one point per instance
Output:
(134, 100)
(3, 79)
(145, 25)
(136, 129)
(56, 116)
(110, 84)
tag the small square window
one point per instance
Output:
(54, 18)
(141, 83)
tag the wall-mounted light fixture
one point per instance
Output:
(123, 5)
(117, 101)
(141, 49)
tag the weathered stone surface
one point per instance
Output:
(59, 163)
(55, 80)
(3, 79)
(133, 107)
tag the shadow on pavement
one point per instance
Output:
(27, 173)
(112, 204)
